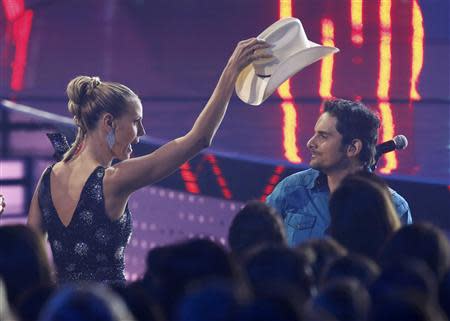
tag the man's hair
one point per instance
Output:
(253, 225)
(356, 121)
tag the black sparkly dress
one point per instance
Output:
(92, 246)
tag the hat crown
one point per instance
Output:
(292, 52)
(288, 37)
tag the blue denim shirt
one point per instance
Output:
(302, 200)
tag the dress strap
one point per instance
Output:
(44, 186)
(59, 143)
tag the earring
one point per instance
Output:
(111, 138)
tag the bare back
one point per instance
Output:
(67, 182)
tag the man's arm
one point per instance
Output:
(402, 208)
(277, 199)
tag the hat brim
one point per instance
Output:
(254, 90)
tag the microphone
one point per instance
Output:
(399, 142)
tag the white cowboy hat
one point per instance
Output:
(292, 52)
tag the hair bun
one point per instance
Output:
(79, 91)
(95, 81)
(82, 87)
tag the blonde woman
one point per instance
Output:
(81, 201)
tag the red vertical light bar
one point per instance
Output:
(189, 178)
(326, 69)
(384, 81)
(288, 107)
(356, 13)
(13, 9)
(418, 35)
(273, 181)
(211, 159)
(21, 21)
(21, 34)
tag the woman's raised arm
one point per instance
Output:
(135, 173)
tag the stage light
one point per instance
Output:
(326, 70)
(391, 162)
(273, 181)
(285, 8)
(289, 132)
(21, 22)
(13, 9)
(385, 59)
(189, 178)
(356, 13)
(291, 152)
(211, 159)
(384, 83)
(417, 49)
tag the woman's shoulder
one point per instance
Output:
(46, 172)
(58, 170)
(62, 168)
(73, 176)
(111, 174)
(55, 167)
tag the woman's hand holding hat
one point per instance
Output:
(246, 52)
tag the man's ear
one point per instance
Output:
(354, 148)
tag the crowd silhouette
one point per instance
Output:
(368, 268)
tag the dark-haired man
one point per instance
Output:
(344, 141)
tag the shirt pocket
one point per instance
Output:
(299, 226)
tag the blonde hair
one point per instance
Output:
(89, 99)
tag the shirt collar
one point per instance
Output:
(319, 182)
